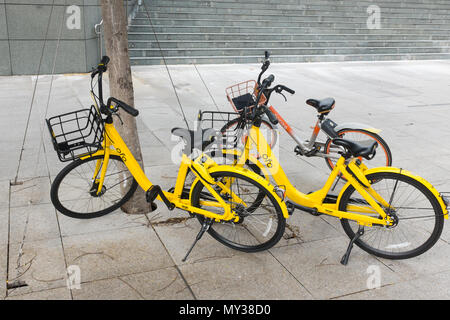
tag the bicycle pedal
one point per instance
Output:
(154, 192)
(298, 151)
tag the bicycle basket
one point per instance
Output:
(76, 134)
(228, 129)
(243, 95)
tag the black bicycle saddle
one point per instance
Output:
(366, 151)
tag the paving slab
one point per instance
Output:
(107, 254)
(159, 284)
(4, 226)
(106, 289)
(396, 291)
(4, 193)
(243, 277)
(317, 266)
(112, 221)
(121, 256)
(52, 294)
(32, 223)
(29, 192)
(433, 261)
(3, 268)
(41, 265)
(178, 238)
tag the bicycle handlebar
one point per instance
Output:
(281, 87)
(127, 108)
(108, 109)
(102, 66)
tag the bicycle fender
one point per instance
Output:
(407, 173)
(254, 160)
(355, 125)
(250, 174)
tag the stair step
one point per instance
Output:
(271, 30)
(150, 36)
(328, 10)
(360, 23)
(192, 52)
(170, 44)
(238, 31)
(286, 59)
(284, 5)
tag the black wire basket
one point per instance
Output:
(76, 134)
(229, 128)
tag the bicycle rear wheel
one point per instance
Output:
(261, 223)
(417, 214)
(383, 157)
(74, 190)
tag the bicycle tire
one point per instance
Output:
(260, 241)
(381, 143)
(62, 204)
(404, 225)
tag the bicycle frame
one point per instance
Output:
(316, 199)
(113, 139)
(306, 146)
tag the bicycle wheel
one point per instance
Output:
(383, 157)
(74, 192)
(266, 129)
(416, 211)
(261, 224)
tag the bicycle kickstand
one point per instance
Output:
(205, 226)
(346, 256)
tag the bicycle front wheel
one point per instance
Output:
(417, 214)
(74, 190)
(261, 222)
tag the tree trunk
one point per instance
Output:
(121, 87)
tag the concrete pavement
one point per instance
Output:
(139, 256)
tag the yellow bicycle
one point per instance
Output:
(243, 210)
(386, 211)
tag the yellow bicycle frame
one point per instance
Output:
(316, 199)
(113, 145)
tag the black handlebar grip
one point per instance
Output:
(129, 109)
(105, 60)
(124, 106)
(289, 90)
(273, 119)
(268, 81)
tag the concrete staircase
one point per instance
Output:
(238, 31)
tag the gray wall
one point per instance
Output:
(23, 27)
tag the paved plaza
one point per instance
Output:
(124, 256)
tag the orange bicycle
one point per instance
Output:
(242, 97)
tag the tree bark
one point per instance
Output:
(121, 87)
